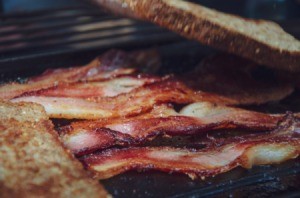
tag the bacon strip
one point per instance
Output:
(13, 90)
(237, 78)
(107, 88)
(48, 79)
(85, 137)
(246, 151)
(133, 103)
(111, 64)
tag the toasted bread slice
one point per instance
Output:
(264, 42)
(33, 162)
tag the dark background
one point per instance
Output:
(272, 9)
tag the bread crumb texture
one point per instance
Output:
(265, 31)
(33, 162)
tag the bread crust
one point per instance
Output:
(33, 162)
(216, 35)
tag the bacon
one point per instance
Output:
(246, 151)
(237, 78)
(107, 88)
(105, 75)
(111, 64)
(89, 136)
(133, 103)
(72, 74)
(13, 90)
(169, 90)
(48, 79)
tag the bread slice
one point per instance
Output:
(264, 42)
(33, 162)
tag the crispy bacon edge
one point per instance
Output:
(246, 151)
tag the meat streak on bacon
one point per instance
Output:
(226, 154)
(111, 64)
(86, 137)
(129, 104)
(107, 88)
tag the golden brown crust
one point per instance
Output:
(213, 34)
(33, 161)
